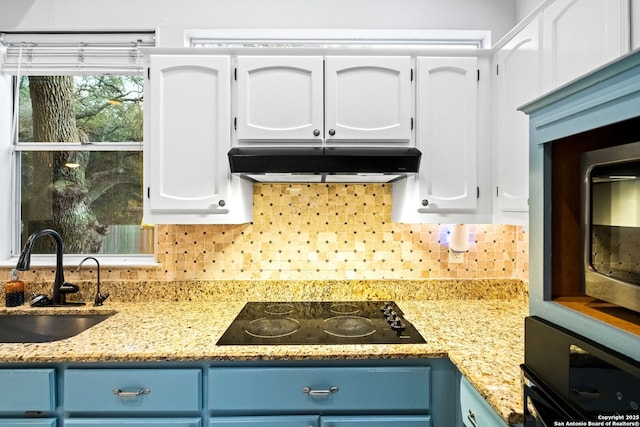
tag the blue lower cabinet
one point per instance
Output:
(474, 410)
(324, 421)
(133, 422)
(377, 421)
(25, 390)
(264, 391)
(284, 421)
(173, 392)
(43, 422)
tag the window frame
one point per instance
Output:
(10, 149)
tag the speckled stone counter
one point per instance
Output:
(300, 290)
(483, 338)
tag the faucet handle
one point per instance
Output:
(69, 288)
(100, 298)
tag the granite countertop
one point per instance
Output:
(483, 338)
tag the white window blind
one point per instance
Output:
(73, 53)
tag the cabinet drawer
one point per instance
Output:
(377, 421)
(27, 390)
(42, 422)
(314, 390)
(475, 410)
(132, 390)
(287, 421)
(133, 422)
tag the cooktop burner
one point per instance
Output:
(348, 322)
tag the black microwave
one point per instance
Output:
(610, 226)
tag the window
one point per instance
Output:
(367, 40)
(76, 144)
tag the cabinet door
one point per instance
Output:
(23, 390)
(474, 410)
(368, 99)
(133, 422)
(635, 26)
(279, 98)
(303, 390)
(376, 421)
(139, 391)
(37, 422)
(447, 133)
(517, 82)
(189, 132)
(581, 35)
(269, 421)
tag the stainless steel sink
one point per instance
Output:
(32, 328)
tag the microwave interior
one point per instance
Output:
(614, 248)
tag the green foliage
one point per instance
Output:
(109, 108)
(25, 116)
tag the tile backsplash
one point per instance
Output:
(326, 232)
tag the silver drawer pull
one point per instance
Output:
(138, 393)
(311, 392)
(472, 418)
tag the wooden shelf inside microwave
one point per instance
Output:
(606, 312)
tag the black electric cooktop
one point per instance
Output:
(344, 322)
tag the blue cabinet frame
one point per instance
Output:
(607, 96)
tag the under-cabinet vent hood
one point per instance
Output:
(316, 164)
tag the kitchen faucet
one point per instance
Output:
(60, 287)
(99, 299)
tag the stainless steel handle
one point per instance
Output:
(589, 394)
(472, 418)
(138, 393)
(311, 392)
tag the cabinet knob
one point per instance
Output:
(425, 202)
(332, 132)
(221, 203)
(316, 132)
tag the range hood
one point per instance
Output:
(324, 164)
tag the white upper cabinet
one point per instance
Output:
(313, 99)
(447, 133)
(368, 98)
(517, 81)
(581, 35)
(635, 25)
(187, 139)
(280, 97)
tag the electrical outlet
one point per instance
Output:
(456, 257)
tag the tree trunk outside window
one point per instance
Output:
(62, 196)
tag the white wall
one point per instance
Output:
(525, 7)
(170, 17)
